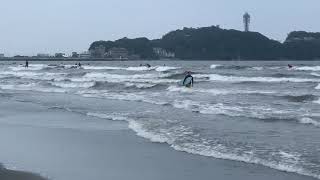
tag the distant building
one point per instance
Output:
(246, 22)
(98, 52)
(117, 53)
(85, 55)
(40, 55)
(60, 55)
(162, 53)
(2, 56)
(75, 55)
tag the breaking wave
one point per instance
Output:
(102, 68)
(185, 139)
(315, 74)
(217, 77)
(308, 68)
(166, 68)
(307, 120)
(32, 67)
(34, 75)
(116, 78)
(73, 84)
(140, 85)
(215, 91)
(317, 101)
(32, 87)
(214, 66)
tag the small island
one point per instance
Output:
(212, 43)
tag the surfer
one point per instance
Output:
(290, 66)
(27, 64)
(188, 76)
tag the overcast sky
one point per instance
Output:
(48, 26)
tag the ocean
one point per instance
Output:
(258, 112)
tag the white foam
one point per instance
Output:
(173, 134)
(307, 120)
(140, 85)
(119, 78)
(308, 68)
(165, 68)
(215, 91)
(102, 68)
(318, 86)
(217, 77)
(214, 66)
(32, 67)
(151, 98)
(31, 87)
(275, 68)
(114, 117)
(317, 101)
(73, 84)
(34, 75)
(288, 162)
(215, 152)
(204, 108)
(140, 68)
(257, 68)
(315, 74)
(289, 156)
(138, 128)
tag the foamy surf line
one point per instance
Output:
(222, 78)
(307, 120)
(32, 67)
(216, 91)
(308, 68)
(138, 68)
(193, 147)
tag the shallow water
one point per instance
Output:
(255, 112)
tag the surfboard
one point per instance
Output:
(186, 82)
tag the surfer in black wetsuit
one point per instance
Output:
(185, 78)
(27, 64)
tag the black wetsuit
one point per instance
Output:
(186, 79)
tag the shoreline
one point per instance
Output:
(7, 174)
(112, 152)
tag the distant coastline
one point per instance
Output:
(206, 43)
(11, 59)
(212, 43)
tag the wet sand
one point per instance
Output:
(6, 174)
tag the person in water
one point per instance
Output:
(290, 66)
(27, 64)
(185, 78)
